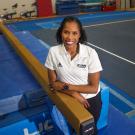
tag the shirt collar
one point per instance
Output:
(63, 49)
(81, 50)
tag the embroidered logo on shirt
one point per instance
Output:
(59, 65)
(81, 65)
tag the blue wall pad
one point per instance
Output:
(103, 119)
(60, 121)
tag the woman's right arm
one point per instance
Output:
(53, 82)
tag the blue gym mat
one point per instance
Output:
(16, 81)
(86, 19)
(118, 124)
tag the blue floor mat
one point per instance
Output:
(118, 124)
(86, 19)
(19, 89)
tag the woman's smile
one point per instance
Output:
(69, 42)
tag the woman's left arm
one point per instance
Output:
(91, 87)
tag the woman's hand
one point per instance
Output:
(56, 86)
(81, 99)
(51, 88)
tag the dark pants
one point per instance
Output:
(95, 108)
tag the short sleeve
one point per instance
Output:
(94, 62)
(49, 63)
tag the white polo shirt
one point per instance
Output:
(74, 71)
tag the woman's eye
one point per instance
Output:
(66, 32)
(74, 33)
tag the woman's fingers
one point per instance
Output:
(86, 103)
(51, 88)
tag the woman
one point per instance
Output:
(74, 68)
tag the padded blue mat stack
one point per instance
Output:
(24, 105)
(67, 7)
(16, 81)
(90, 7)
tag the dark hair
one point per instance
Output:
(83, 37)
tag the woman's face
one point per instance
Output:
(70, 34)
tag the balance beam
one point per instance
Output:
(79, 118)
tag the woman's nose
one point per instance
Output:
(69, 36)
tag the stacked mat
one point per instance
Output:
(67, 7)
(24, 105)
